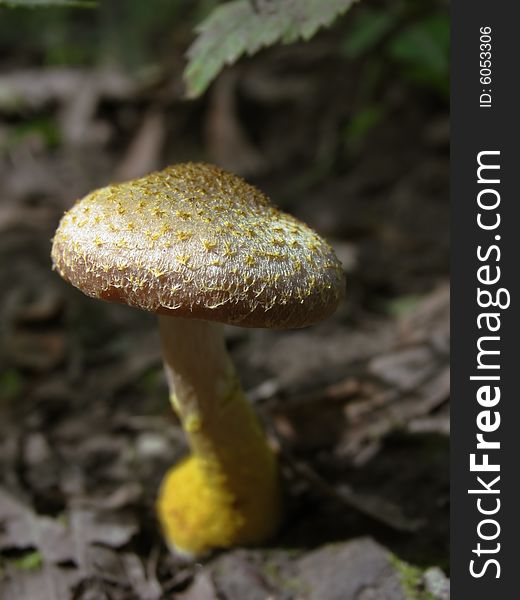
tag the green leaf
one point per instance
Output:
(11, 383)
(403, 305)
(362, 123)
(423, 48)
(244, 27)
(370, 28)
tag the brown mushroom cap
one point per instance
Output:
(195, 241)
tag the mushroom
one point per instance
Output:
(201, 247)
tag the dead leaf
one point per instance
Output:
(61, 540)
(358, 569)
(48, 583)
(202, 588)
(143, 154)
(405, 368)
(35, 350)
(145, 587)
(23, 529)
(228, 144)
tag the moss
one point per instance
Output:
(411, 579)
(274, 573)
(11, 384)
(271, 570)
(294, 585)
(30, 561)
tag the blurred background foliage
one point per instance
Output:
(130, 33)
(408, 36)
(406, 41)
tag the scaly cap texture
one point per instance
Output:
(195, 241)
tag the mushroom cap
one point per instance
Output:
(196, 241)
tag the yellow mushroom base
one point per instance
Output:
(202, 509)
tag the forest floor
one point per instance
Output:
(358, 405)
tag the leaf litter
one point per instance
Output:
(358, 406)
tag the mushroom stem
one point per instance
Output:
(227, 492)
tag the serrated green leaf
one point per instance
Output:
(244, 27)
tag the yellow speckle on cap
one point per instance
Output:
(184, 235)
(228, 250)
(209, 245)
